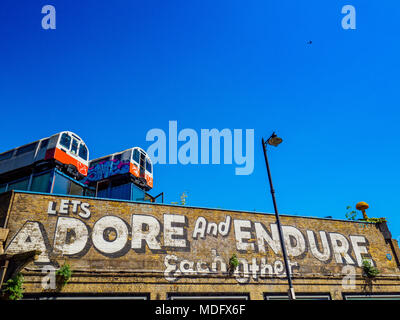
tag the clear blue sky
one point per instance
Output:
(113, 70)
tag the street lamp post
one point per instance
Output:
(273, 140)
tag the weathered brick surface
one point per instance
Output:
(173, 260)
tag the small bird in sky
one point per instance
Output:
(309, 42)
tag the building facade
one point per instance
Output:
(136, 250)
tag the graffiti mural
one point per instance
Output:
(182, 241)
(106, 169)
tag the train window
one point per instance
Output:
(136, 155)
(148, 166)
(83, 152)
(6, 155)
(65, 141)
(77, 138)
(74, 148)
(44, 143)
(118, 156)
(29, 148)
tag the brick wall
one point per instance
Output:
(123, 247)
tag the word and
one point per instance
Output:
(202, 228)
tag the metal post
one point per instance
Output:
(291, 292)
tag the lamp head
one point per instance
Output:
(274, 140)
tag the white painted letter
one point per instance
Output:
(300, 246)
(71, 236)
(141, 236)
(175, 236)
(224, 226)
(200, 228)
(263, 236)
(322, 256)
(340, 247)
(243, 235)
(359, 249)
(30, 237)
(100, 240)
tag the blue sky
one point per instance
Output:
(113, 70)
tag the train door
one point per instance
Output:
(142, 165)
(134, 167)
(149, 172)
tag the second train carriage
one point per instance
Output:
(133, 162)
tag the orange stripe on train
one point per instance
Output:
(67, 159)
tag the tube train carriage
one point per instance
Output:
(65, 150)
(134, 161)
